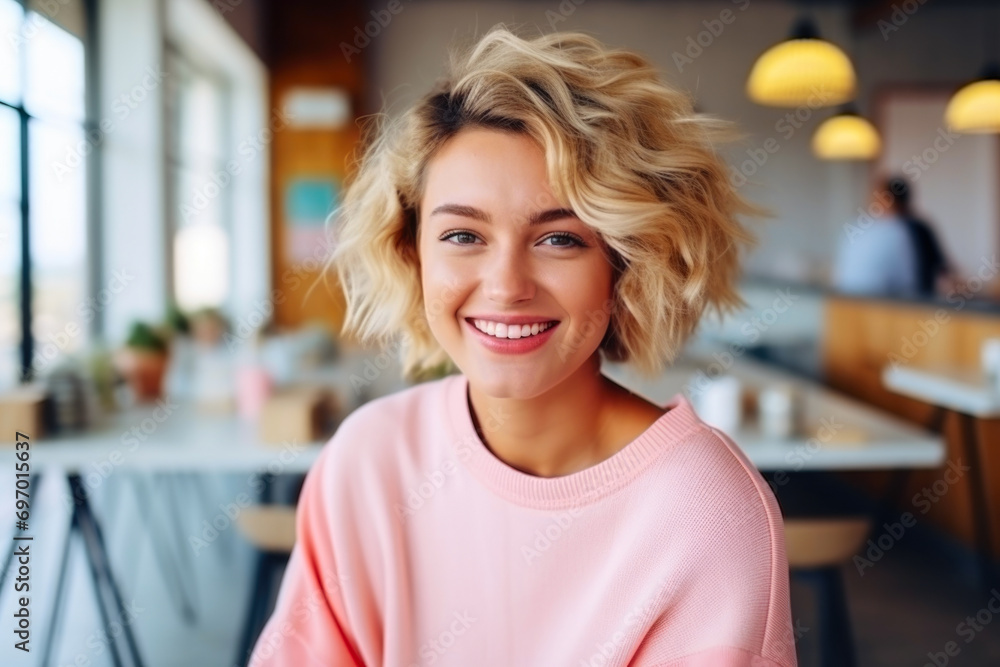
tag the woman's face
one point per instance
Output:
(496, 246)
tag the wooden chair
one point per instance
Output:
(817, 549)
(271, 529)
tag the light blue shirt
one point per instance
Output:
(876, 257)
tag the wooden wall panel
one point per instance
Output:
(304, 45)
(860, 338)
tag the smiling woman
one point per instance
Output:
(551, 204)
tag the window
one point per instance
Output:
(43, 199)
(10, 244)
(199, 185)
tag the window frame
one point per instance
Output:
(91, 178)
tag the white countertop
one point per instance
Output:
(183, 442)
(962, 390)
(855, 437)
(840, 433)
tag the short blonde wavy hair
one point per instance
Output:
(625, 151)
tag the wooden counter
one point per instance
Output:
(862, 336)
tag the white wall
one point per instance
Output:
(811, 199)
(132, 225)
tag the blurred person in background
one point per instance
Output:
(889, 251)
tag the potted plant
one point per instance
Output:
(178, 323)
(143, 361)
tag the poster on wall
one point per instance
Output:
(308, 203)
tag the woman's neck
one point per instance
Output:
(573, 426)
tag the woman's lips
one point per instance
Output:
(512, 345)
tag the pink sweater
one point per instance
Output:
(417, 546)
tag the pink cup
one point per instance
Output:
(253, 387)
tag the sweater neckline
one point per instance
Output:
(575, 489)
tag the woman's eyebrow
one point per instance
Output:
(537, 218)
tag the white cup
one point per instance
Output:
(720, 403)
(779, 411)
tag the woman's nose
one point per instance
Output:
(507, 277)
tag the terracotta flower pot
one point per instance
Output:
(143, 370)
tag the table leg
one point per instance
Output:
(980, 502)
(58, 598)
(100, 571)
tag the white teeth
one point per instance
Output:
(501, 330)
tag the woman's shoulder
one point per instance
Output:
(731, 517)
(715, 477)
(734, 502)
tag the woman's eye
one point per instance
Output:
(560, 240)
(565, 240)
(462, 238)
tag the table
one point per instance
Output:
(966, 391)
(968, 394)
(159, 438)
(883, 442)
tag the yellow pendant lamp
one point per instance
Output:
(975, 108)
(846, 136)
(803, 70)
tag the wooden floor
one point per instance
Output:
(909, 604)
